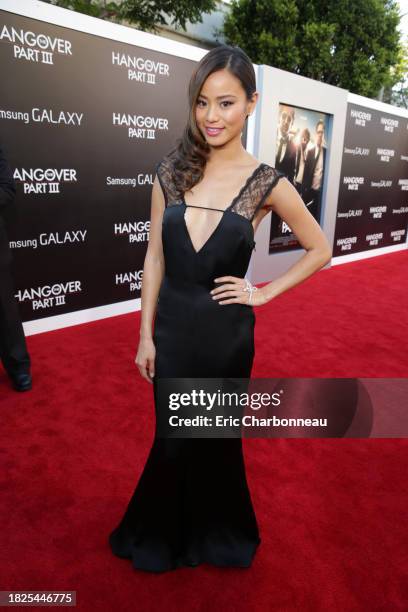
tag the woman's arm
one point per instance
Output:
(285, 201)
(153, 267)
(153, 272)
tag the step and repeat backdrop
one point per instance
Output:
(372, 209)
(85, 117)
(84, 120)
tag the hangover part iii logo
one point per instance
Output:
(346, 244)
(137, 231)
(389, 124)
(132, 279)
(48, 296)
(41, 48)
(361, 117)
(139, 68)
(140, 126)
(44, 180)
(353, 182)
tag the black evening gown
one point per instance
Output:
(192, 503)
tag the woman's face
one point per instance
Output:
(222, 107)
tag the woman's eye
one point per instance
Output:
(227, 102)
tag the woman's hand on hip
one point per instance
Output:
(235, 290)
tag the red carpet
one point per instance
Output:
(332, 513)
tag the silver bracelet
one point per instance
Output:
(250, 288)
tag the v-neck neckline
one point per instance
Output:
(208, 239)
(228, 208)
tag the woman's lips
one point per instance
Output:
(213, 131)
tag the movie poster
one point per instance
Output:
(302, 146)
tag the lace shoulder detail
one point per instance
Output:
(164, 171)
(255, 191)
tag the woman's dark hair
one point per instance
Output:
(190, 154)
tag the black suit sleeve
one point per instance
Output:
(7, 183)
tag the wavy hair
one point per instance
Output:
(189, 155)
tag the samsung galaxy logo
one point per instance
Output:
(53, 238)
(141, 179)
(357, 151)
(349, 214)
(380, 184)
(44, 115)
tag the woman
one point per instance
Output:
(192, 503)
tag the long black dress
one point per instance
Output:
(192, 503)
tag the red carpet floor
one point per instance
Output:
(332, 512)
